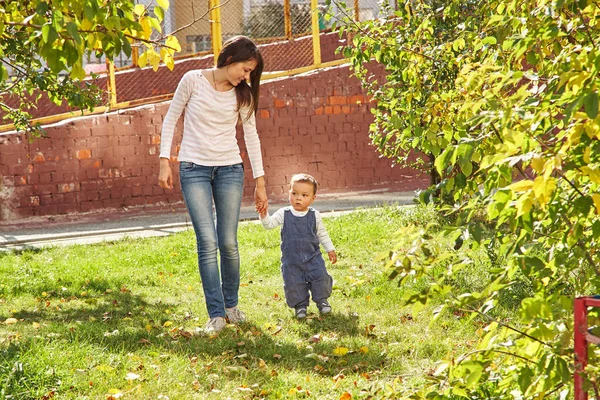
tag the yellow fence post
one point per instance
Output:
(111, 83)
(287, 18)
(356, 11)
(215, 27)
(135, 52)
(314, 5)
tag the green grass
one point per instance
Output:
(124, 319)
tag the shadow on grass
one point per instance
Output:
(122, 323)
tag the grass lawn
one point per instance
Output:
(124, 320)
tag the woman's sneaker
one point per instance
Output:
(235, 315)
(301, 312)
(324, 307)
(215, 325)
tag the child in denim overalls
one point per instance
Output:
(302, 265)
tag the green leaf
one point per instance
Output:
(160, 14)
(489, 40)
(590, 103)
(73, 31)
(49, 34)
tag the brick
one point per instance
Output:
(83, 154)
(264, 114)
(338, 100)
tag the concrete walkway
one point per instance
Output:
(161, 220)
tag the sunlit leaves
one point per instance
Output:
(503, 99)
(59, 35)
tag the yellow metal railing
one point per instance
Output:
(216, 37)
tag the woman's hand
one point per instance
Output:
(261, 202)
(165, 175)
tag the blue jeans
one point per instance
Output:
(224, 185)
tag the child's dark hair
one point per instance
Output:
(240, 49)
(306, 178)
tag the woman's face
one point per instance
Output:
(239, 71)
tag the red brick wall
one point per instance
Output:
(315, 123)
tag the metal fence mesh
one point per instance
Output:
(283, 31)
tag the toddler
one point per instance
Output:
(302, 265)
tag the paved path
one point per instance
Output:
(160, 221)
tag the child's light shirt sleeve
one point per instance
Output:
(270, 222)
(322, 234)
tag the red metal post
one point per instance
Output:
(580, 347)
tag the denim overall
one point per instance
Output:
(302, 265)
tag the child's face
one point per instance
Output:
(301, 195)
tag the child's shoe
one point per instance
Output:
(300, 312)
(324, 307)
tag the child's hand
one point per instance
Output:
(332, 256)
(262, 212)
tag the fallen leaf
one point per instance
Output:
(364, 349)
(277, 356)
(104, 368)
(277, 330)
(315, 339)
(262, 364)
(144, 341)
(131, 376)
(11, 321)
(345, 396)
(168, 323)
(340, 351)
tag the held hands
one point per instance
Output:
(165, 175)
(261, 203)
(332, 256)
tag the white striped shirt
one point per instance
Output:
(209, 125)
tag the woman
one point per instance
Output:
(211, 169)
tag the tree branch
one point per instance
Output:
(507, 326)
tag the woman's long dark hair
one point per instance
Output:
(240, 49)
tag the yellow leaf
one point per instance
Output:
(104, 368)
(147, 27)
(168, 323)
(364, 349)
(163, 3)
(173, 43)
(543, 190)
(593, 173)
(545, 280)
(537, 163)
(143, 59)
(524, 204)
(521, 186)
(586, 155)
(340, 351)
(139, 9)
(345, 396)
(292, 391)
(596, 199)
